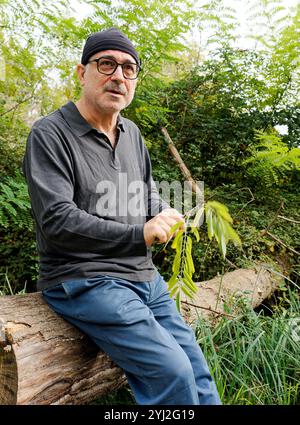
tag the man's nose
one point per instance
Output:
(118, 74)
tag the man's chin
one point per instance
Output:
(113, 105)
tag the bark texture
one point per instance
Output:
(45, 360)
(183, 168)
(254, 285)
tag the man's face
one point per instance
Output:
(107, 93)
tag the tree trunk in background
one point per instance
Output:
(183, 168)
(45, 360)
(253, 284)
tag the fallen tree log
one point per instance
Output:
(253, 285)
(45, 360)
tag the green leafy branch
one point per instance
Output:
(218, 221)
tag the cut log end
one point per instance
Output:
(46, 360)
(8, 376)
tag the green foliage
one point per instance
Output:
(18, 247)
(6, 289)
(14, 203)
(218, 222)
(277, 34)
(19, 259)
(251, 216)
(271, 159)
(183, 265)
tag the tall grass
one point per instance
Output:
(6, 288)
(255, 358)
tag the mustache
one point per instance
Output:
(116, 88)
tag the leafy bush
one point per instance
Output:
(18, 246)
(272, 161)
(14, 203)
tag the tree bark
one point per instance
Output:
(45, 360)
(183, 168)
(222, 293)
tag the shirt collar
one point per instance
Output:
(76, 121)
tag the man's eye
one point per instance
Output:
(129, 67)
(108, 63)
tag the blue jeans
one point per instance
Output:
(138, 326)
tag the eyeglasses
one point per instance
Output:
(108, 66)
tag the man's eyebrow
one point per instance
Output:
(112, 57)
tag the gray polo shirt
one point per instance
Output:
(89, 201)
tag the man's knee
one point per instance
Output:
(179, 368)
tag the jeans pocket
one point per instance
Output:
(56, 291)
(74, 288)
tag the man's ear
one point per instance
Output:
(80, 72)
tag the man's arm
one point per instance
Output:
(49, 173)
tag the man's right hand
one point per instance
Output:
(158, 228)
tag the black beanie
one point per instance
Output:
(111, 39)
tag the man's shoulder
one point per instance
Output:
(51, 130)
(51, 122)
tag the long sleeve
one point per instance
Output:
(49, 172)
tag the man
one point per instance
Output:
(95, 259)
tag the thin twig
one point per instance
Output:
(282, 243)
(288, 219)
(281, 275)
(209, 309)
(263, 232)
(17, 105)
(231, 263)
(219, 290)
(256, 282)
(251, 200)
(238, 190)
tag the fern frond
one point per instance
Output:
(271, 158)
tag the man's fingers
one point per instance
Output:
(166, 227)
(158, 229)
(161, 235)
(166, 221)
(172, 213)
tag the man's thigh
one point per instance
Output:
(116, 318)
(102, 300)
